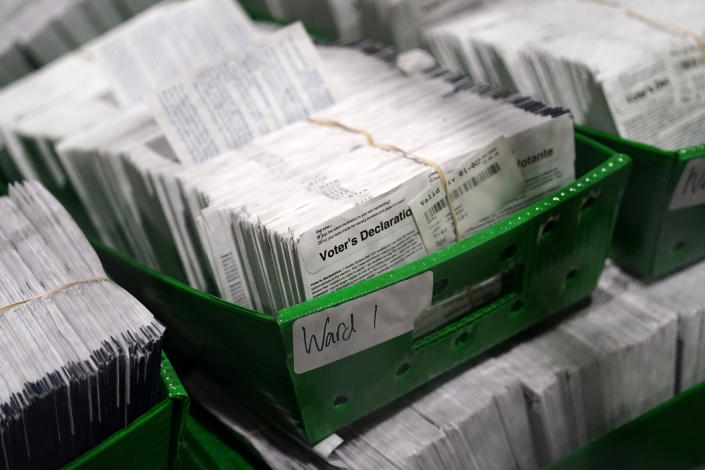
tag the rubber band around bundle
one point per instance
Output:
(53, 291)
(393, 148)
(654, 22)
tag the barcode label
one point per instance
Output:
(467, 185)
(435, 209)
(491, 173)
(475, 180)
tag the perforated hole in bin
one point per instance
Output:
(548, 227)
(588, 202)
(340, 401)
(403, 369)
(508, 253)
(517, 308)
(462, 339)
(680, 246)
(439, 286)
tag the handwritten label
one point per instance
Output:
(338, 332)
(690, 190)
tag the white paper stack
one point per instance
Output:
(356, 210)
(99, 86)
(609, 364)
(397, 23)
(118, 163)
(331, 19)
(238, 113)
(80, 356)
(39, 132)
(636, 72)
(114, 71)
(71, 79)
(35, 32)
(315, 207)
(120, 204)
(482, 415)
(681, 293)
(166, 41)
(124, 158)
(401, 22)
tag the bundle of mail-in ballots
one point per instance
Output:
(79, 356)
(635, 68)
(279, 170)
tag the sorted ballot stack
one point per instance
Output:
(631, 348)
(279, 170)
(42, 108)
(112, 72)
(99, 84)
(402, 22)
(330, 201)
(398, 23)
(80, 356)
(332, 19)
(633, 67)
(166, 41)
(35, 32)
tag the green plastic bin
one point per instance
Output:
(209, 445)
(668, 437)
(650, 240)
(554, 252)
(153, 441)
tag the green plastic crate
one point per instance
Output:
(668, 437)
(153, 441)
(650, 240)
(210, 445)
(555, 249)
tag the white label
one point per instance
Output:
(638, 92)
(227, 104)
(362, 242)
(481, 185)
(338, 332)
(686, 69)
(690, 190)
